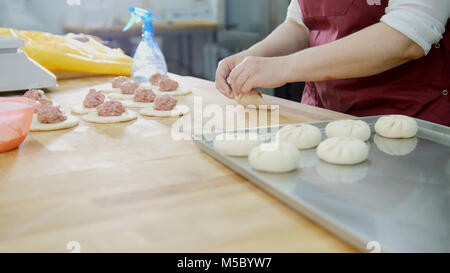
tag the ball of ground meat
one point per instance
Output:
(118, 81)
(49, 114)
(110, 109)
(165, 103)
(168, 85)
(93, 99)
(129, 87)
(144, 95)
(35, 94)
(155, 78)
(43, 102)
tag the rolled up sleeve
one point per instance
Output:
(421, 21)
(294, 12)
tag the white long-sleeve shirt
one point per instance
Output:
(423, 21)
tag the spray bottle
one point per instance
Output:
(148, 58)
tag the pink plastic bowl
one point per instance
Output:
(16, 114)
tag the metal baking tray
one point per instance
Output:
(397, 201)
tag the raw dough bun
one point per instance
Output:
(120, 96)
(393, 146)
(348, 128)
(236, 144)
(178, 92)
(134, 104)
(79, 109)
(396, 126)
(252, 101)
(178, 111)
(342, 174)
(95, 118)
(343, 150)
(36, 126)
(276, 157)
(303, 136)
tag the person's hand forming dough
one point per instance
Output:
(255, 72)
(223, 72)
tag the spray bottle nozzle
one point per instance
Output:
(148, 58)
(139, 14)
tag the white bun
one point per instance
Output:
(396, 126)
(303, 136)
(343, 150)
(348, 128)
(277, 157)
(236, 144)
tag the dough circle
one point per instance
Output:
(148, 85)
(134, 104)
(36, 126)
(120, 96)
(79, 109)
(343, 150)
(252, 101)
(95, 118)
(303, 136)
(178, 111)
(236, 144)
(276, 157)
(396, 126)
(396, 147)
(348, 128)
(109, 89)
(175, 93)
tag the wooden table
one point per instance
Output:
(130, 187)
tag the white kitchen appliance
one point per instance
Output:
(18, 71)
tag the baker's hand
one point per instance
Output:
(255, 72)
(223, 71)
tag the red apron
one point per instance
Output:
(418, 88)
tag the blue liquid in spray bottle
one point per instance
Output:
(148, 58)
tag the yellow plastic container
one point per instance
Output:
(65, 55)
